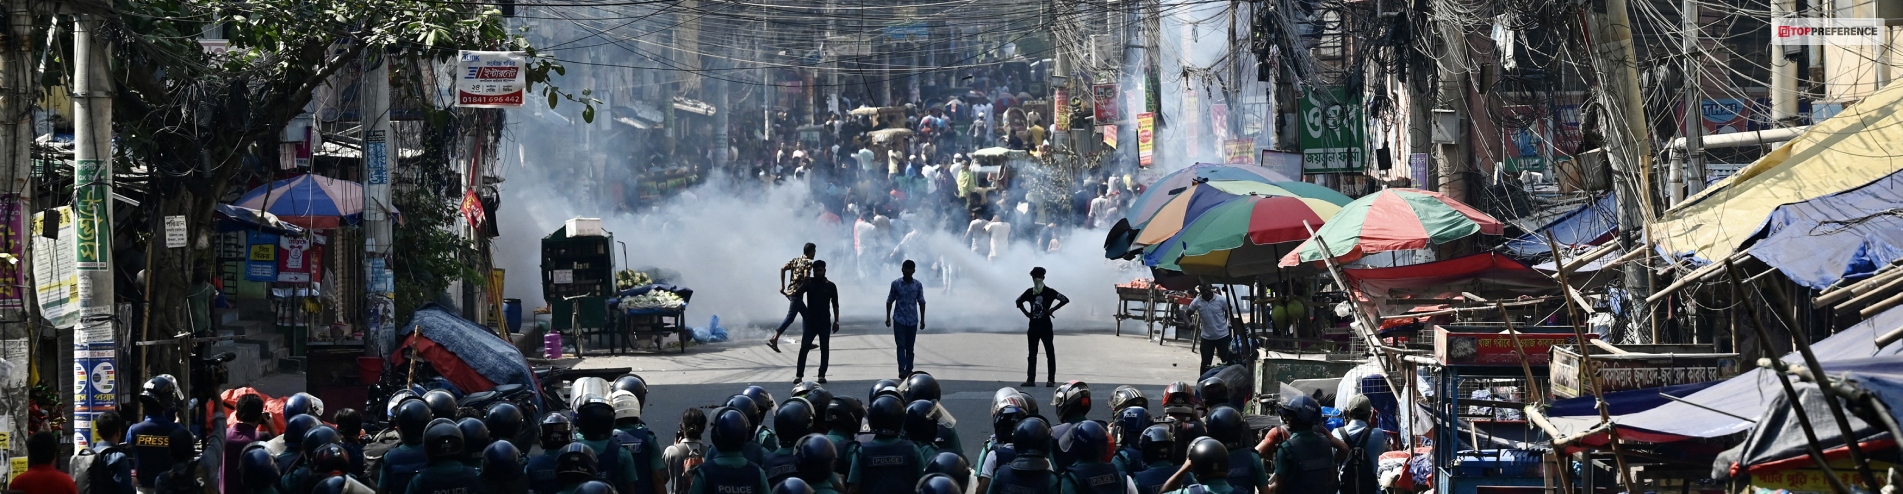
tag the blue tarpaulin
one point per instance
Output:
(1778, 440)
(467, 354)
(1846, 235)
(1591, 224)
(1624, 402)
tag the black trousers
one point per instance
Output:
(825, 335)
(1040, 332)
(1212, 348)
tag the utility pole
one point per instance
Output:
(95, 350)
(18, 78)
(1783, 71)
(1687, 172)
(379, 282)
(1628, 150)
(1454, 159)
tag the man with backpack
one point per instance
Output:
(104, 468)
(688, 451)
(1366, 443)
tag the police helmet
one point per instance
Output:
(633, 384)
(397, 399)
(256, 468)
(557, 431)
(762, 399)
(1085, 440)
(161, 393)
(504, 420)
(1005, 420)
(627, 406)
(1208, 458)
(595, 417)
(296, 428)
(817, 396)
(951, 465)
(502, 461)
(475, 436)
(1032, 437)
(920, 386)
(337, 484)
(317, 437)
(329, 458)
(884, 386)
(731, 429)
(1179, 400)
(1002, 396)
(792, 420)
(1213, 391)
(1226, 425)
(1186, 434)
(886, 417)
(1029, 403)
(939, 483)
(1130, 424)
(814, 457)
(411, 417)
(441, 403)
(746, 406)
(921, 421)
(594, 487)
(1157, 443)
(303, 404)
(1127, 396)
(1072, 399)
(1302, 411)
(845, 413)
(442, 440)
(792, 485)
(575, 463)
(804, 387)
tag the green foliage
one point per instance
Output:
(429, 254)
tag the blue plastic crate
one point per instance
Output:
(1498, 463)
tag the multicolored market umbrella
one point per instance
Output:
(1219, 242)
(311, 201)
(1179, 212)
(1393, 219)
(1163, 189)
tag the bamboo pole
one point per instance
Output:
(1815, 448)
(1573, 307)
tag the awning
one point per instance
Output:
(235, 219)
(1855, 147)
(693, 106)
(1590, 224)
(1849, 234)
(1778, 442)
(1485, 274)
(1715, 411)
(642, 115)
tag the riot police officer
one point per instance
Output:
(595, 418)
(791, 422)
(401, 464)
(475, 440)
(921, 428)
(634, 436)
(1030, 470)
(949, 464)
(1207, 464)
(922, 386)
(574, 466)
(447, 474)
(151, 438)
(729, 471)
(257, 471)
(1157, 443)
(763, 405)
(887, 463)
(294, 431)
(1006, 412)
(1128, 431)
(502, 469)
(556, 432)
(1245, 466)
(1072, 401)
(752, 449)
(813, 459)
(1086, 441)
(842, 428)
(303, 475)
(505, 422)
(1305, 463)
(442, 404)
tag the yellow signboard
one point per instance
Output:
(1146, 138)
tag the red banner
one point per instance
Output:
(472, 209)
(1104, 99)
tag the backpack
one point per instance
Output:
(90, 469)
(690, 462)
(1357, 476)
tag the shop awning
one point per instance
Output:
(1849, 234)
(1590, 224)
(1732, 405)
(1855, 147)
(1486, 274)
(1777, 442)
(693, 106)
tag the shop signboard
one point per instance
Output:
(1238, 151)
(1334, 131)
(1104, 103)
(1146, 138)
(1629, 371)
(1459, 345)
(491, 79)
(261, 257)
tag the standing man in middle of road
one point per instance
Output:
(905, 303)
(822, 309)
(799, 268)
(1038, 303)
(1212, 316)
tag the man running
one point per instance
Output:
(800, 268)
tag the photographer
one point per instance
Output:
(254, 425)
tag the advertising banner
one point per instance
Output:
(491, 79)
(1239, 151)
(1334, 131)
(261, 257)
(1060, 109)
(55, 278)
(1219, 121)
(300, 260)
(1104, 100)
(1146, 138)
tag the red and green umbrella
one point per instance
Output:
(1218, 242)
(1202, 198)
(1393, 219)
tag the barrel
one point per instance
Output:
(512, 314)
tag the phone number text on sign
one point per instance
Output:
(491, 79)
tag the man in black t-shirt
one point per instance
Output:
(1038, 303)
(819, 320)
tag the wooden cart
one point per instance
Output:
(1153, 305)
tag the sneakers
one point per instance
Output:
(798, 379)
(773, 343)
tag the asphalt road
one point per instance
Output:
(970, 367)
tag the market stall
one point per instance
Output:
(652, 312)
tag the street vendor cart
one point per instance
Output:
(650, 311)
(1481, 438)
(577, 278)
(1151, 303)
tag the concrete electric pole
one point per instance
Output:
(95, 349)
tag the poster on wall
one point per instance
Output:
(261, 257)
(1104, 100)
(1239, 152)
(300, 259)
(491, 79)
(1334, 131)
(55, 276)
(1060, 108)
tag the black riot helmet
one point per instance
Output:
(331, 485)
(329, 458)
(1226, 425)
(762, 400)
(317, 437)
(595, 417)
(1186, 434)
(411, 417)
(441, 404)
(1209, 458)
(921, 422)
(844, 414)
(296, 428)
(557, 431)
(443, 440)
(504, 420)
(1072, 399)
(938, 483)
(793, 485)
(501, 461)
(731, 429)
(1085, 440)
(594, 487)
(256, 469)
(161, 393)
(633, 384)
(886, 417)
(475, 436)
(1213, 391)
(1157, 443)
(1127, 396)
(920, 386)
(1302, 411)
(950, 465)
(884, 386)
(746, 406)
(792, 420)
(814, 456)
(575, 463)
(1032, 437)
(815, 395)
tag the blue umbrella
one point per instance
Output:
(311, 201)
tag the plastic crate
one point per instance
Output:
(1498, 463)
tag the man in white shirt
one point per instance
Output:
(1372, 441)
(1000, 237)
(976, 233)
(1098, 207)
(1212, 316)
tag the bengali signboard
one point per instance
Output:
(261, 257)
(1629, 371)
(1060, 109)
(1238, 151)
(1103, 98)
(1486, 346)
(1146, 138)
(491, 79)
(1334, 131)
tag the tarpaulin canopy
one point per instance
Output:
(1778, 440)
(1853, 148)
(236, 219)
(1483, 274)
(468, 355)
(1848, 234)
(1715, 411)
(1591, 224)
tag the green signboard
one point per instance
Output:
(1334, 131)
(92, 213)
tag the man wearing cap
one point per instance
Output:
(1038, 303)
(1357, 475)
